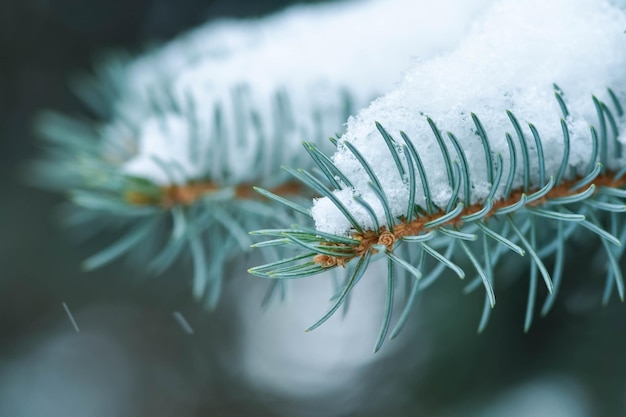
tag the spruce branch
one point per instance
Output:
(535, 208)
(401, 188)
(184, 131)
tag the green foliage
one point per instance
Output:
(157, 225)
(537, 220)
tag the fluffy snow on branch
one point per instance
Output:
(509, 61)
(219, 99)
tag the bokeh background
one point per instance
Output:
(133, 358)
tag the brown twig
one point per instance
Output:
(185, 195)
(416, 226)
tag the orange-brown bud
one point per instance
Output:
(325, 261)
(387, 239)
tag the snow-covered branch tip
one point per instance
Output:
(511, 222)
(494, 181)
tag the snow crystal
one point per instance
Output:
(509, 61)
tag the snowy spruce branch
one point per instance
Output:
(477, 154)
(501, 140)
(185, 131)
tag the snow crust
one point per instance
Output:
(510, 60)
(219, 100)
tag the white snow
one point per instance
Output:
(509, 61)
(314, 53)
(164, 150)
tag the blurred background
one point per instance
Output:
(135, 355)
